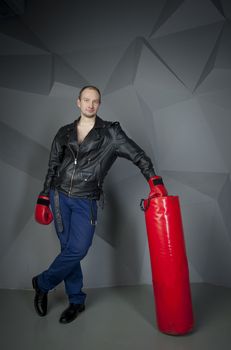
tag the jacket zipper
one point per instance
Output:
(73, 173)
(76, 161)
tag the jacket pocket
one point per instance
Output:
(87, 176)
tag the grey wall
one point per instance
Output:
(164, 68)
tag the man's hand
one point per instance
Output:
(157, 188)
(43, 214)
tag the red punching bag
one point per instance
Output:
(170, 276)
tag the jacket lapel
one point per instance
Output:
(92, 141)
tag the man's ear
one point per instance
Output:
(78, 102)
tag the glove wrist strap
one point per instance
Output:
(157, 181)
(43, 201)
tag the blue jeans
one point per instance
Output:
(75, 240)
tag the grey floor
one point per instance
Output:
(115, 318)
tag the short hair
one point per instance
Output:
(89, 87)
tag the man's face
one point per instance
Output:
(89, 103)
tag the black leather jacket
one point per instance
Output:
(79, 170)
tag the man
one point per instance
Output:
(81, 155)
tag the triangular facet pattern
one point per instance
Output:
(164, 70)
(191, 14)
(180, 51)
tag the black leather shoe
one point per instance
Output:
(40, 299)
(71, 313)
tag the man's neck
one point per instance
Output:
(85, 121)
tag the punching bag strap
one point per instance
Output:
(142, 206)
(158, 181)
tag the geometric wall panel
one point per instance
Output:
(19, 191)
(148, 130)
(64, 91)
(190, 14)
(65, 29)
(15, 28)
(135, 120)
(223, 59)
(214, 105)
(17, 6)
(40, 116)
(12, 46)
(218, 4)
(22, 152)
(65, 74)
(96, 73)
(185, 140)
(125, 71)
(26, 249)
(156, 83)
(217, 102)
(216, 80)
(165, 74)
(32, 73)
(166, 12)
(180, 51)
(224, 202)
(208, 245)
(227, 8)
(210, 184)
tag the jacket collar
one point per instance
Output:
(72, 130)
(99, 123)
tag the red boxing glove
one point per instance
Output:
(43, 214)
(157, 187)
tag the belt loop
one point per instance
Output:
(58, 216)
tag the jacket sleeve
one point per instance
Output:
(55, 159)
(127, 148)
